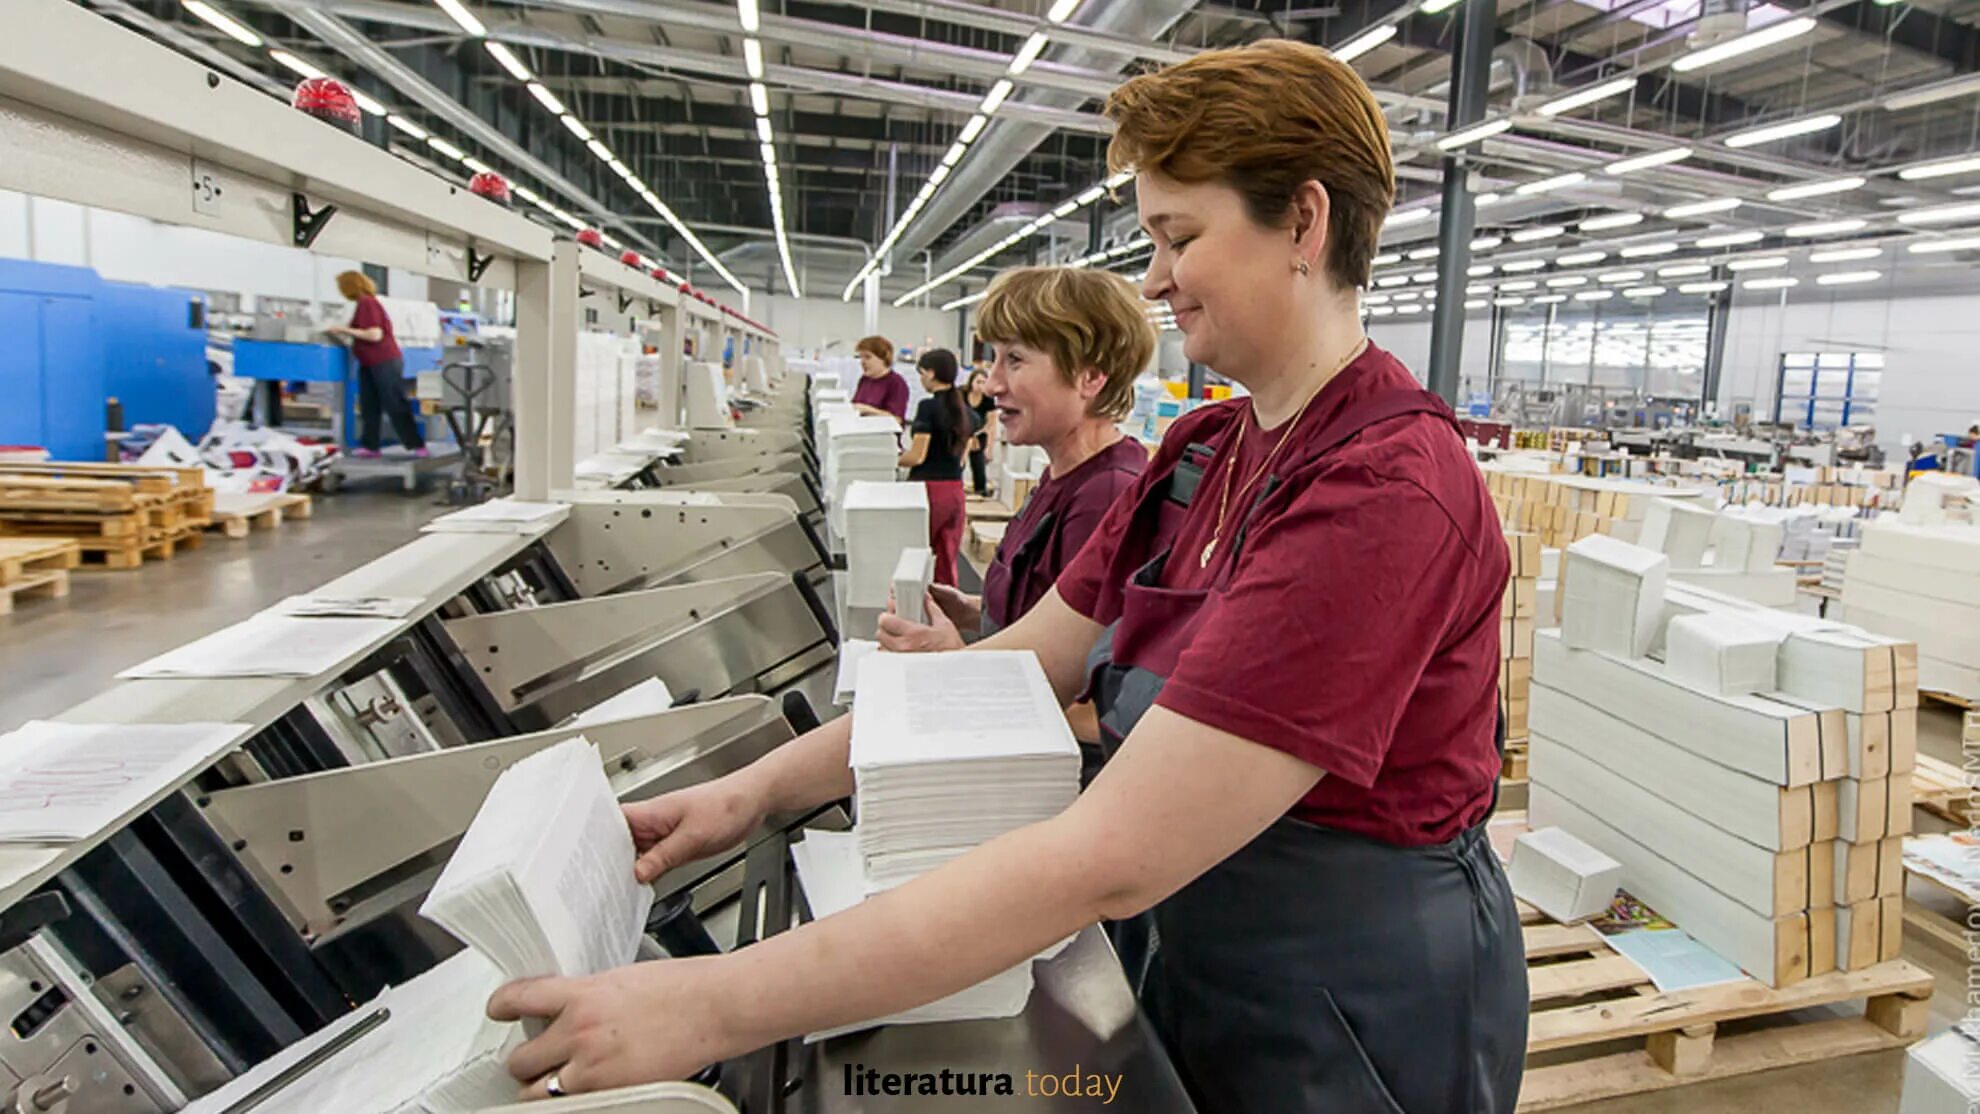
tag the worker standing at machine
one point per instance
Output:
(983, 405)
(381, 367)
(881, 389)
(1068, 344)
(938, 441)
(1290, 628)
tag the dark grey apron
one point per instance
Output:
(1316, 970)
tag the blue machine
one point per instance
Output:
(51, 365)
(74, 341)
(286, 362)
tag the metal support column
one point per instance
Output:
(566, 317)
(1718, 314)
(672, 371)
(1093, 226)
(872, 294)
(1470, 78)
(532, 380)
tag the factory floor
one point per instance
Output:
(56, 653)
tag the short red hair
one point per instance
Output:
(1265, 119)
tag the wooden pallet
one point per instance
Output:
(105, 487)
(239, 525)
(134, 554)
(53, 584)
(1513, 764)
(1949, 698)
(21, 558)
(1585, 996)
(1943, 790)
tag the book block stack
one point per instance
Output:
(1516, 619)
(1563, 509)
(1921, 583)
(1750, 769)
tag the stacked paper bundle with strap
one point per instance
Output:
(949, 751)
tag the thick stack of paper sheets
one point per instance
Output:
(1562, 876)
(882, 520)
(953, 750)
(1721, 652)
(1614, 596)
(1921, 583)
(912, 575)
(542, 883)
(1679, 530)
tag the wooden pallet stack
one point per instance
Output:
(1516, 619)
(119, 515)
(1765, 817)
(32, 567)
(1585, 998)
(237, 514)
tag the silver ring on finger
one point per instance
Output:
(554, 1086)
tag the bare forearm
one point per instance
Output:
(806, 772)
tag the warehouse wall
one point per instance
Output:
(835, 326)
(124, 248)
(1409, 341)
(1931, 346)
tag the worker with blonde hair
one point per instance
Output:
(381, 367)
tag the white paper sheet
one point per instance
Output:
(350, 607)
(501, 516)
(646, 698)
(851, 653)
(270, 645)
(65, 781)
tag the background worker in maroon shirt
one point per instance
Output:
(881, 389)
(1290, 627)
(1068, 344)
(381, 367)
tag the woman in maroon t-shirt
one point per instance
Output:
(381, 367)
(1290, 627)
(881, 389)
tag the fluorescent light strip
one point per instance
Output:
(1824, 228)
(1935, 247)
(508, 60)
(1941, 214)
(1548, 185)
(1594, 295)
(759, 98)
(1083, 198)
(746, 14)
(1844, 255)
(1477, 133)
(1366, 41)
(1700, 208)
(1771, 35)
(445, 148)
(753, 58)
(366, 103)
(1730, 239)
(224, 23)
(1684, 270)
(1478, 270)
(1509, 303)
(477, 166)
(1550, 299)
(1432, 7)
(1781, 283)
(994, 99)
(1640, 251)
(408, 127)
(463, 17)
(1580, 258)
(1476, 303)
(1401, 217)
(1646, 292)
(1520, 266)
(973, 128)
(1940, 169)
(1062, 10)
(1421, 254)
(1566, 281)
(1758, 263)
(1635, 163)
(576, 127)
(291, 62)
(1588, 96)
(1934, 93)
(1028, 53)
(1703, 287)
(1619, 278)
(1815, 189)
(549, 101)
(1805, 126)
(1537, 233)
(1613, 220)
(1487, 243)
(1520, 284)
(1386, 258)
(1848, 278)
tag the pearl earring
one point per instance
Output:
(1304, 268)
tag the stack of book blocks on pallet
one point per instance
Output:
(1732, 551)
(118, 514)
(1516, 618)
(1563, 509)
(1921, 582)
(1948, 790)
(1750, 768)
(35, 567)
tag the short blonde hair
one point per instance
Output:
(881, 348)
(1081, 318)
(356, 284)
(1264, 119)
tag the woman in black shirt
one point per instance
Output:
(942, 430)
(984, 407)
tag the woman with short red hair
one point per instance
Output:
(1289, 625)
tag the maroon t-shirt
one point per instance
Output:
(1069, 507)
(1360, 629)
(889, 392)
(371, 315)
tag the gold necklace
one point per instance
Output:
(1237, 448)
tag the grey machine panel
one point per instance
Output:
(340, 848)
(753, 633)
(706, 445)
(615, 540)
